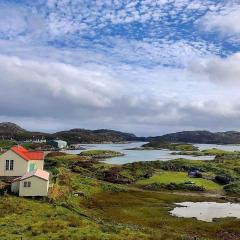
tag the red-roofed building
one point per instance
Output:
(18, 161)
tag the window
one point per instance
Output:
(9, 165)
(32, 167)
(27, 184)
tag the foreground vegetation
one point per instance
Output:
(89, 199)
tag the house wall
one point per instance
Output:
(15, 187)
(20, 165)
(39, 164)
(39, 187)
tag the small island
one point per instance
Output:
(98, 154)
(159, 145)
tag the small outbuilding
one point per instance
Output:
(31, 184)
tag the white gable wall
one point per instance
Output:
(20, 165)
(39, 187)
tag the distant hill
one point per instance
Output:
(89, 136)
(10, 130)
(230, 137)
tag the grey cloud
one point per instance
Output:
(56, 95)
(219, 70)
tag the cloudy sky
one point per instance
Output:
(143, 66)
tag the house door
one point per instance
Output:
(32, 167)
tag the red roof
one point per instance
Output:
(28, 155)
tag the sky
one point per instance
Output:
(148, 67)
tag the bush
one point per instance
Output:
(222, 179)
(198, 175)
(113, 175)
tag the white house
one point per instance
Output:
(57, 143)
(34, 183)
(18, 160)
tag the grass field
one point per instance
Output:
(149, 213)
(167, 177)
(82, 206)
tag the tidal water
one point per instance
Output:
(142, 155)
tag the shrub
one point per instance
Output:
(222, 179)
(114, 175)
(198, 175)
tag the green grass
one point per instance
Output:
(37, 220)
(180, 177)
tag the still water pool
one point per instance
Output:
(206, 211)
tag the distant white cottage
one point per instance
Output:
(27, 166)
(57, 144)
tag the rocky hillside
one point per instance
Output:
(13, 131)
(230, 137)
(10, 128)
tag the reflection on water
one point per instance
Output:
(206, 211)
(137, 155)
